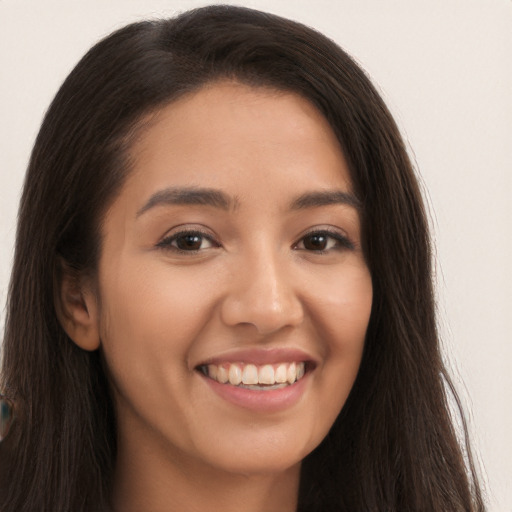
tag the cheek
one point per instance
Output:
(149, 321)
(341, 304)
(342, 311)
(149, 304)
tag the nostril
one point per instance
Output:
(266, 317)
(262, 296)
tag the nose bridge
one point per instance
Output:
(262, 291)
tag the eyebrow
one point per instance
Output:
(189, 196)
(218, 199)
(325, 198)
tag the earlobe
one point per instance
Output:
(77, 309)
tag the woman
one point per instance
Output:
(221, 294)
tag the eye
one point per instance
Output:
(323, 241)
(188, 241)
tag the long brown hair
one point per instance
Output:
(393, 446)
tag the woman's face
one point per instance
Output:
(233, 252)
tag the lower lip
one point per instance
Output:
(273, 400)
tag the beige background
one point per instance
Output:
(445, 69)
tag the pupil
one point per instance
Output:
(189, 242)
(315, 242)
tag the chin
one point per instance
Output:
(260, 466)
(272, 453)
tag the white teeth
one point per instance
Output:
(280, 374)
(291, 374)
(266, 375)
(235, 374)
(222, 374)
(256, 377)
(213, 371)
(250, 374)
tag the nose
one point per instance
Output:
(263, 294)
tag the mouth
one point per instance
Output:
(266, 377)
(264, 381)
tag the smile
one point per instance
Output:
(256, 377)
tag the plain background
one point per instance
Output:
(445, 69)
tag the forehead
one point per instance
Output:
(230, 135)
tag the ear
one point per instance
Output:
(77, 308)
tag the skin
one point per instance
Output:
(253, 282)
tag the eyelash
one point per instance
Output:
(341, 241)
(167, 242)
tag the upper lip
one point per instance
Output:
(258, 356)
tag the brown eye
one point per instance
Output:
(190, 242)
(323, 241)
(187, 241)
(316, 242)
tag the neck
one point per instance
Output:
(166, 481)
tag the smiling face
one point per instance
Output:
(234, 295)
